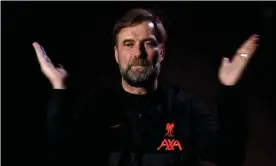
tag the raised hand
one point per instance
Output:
(56, 75)
(231, 71)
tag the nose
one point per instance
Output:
(140, 51)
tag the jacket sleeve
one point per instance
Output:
(221, 135)
(232, 119)
(62, 113)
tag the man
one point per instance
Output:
(142, 121)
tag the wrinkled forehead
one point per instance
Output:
(137, 32)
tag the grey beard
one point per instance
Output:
(140, 78)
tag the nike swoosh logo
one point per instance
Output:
(115, 126)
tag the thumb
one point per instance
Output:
(60, 66)
(225, 61)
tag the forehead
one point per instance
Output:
(137, 32)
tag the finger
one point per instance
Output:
(252, 49)
(62, 71)
(42, 57)
(247, 49)
(247, 53)
(60, 66)
(248, 45)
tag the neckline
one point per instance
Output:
(147, 95)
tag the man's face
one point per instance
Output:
(138, 54)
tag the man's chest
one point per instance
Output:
(144, 133)
(155, 133)
(153, 128)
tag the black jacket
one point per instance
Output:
(166, 128)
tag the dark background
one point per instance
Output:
(78, 35)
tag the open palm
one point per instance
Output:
(56, 75)
(230, 71)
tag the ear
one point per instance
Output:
(116, 54)
(162, 52)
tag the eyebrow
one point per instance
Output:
(144, 40)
